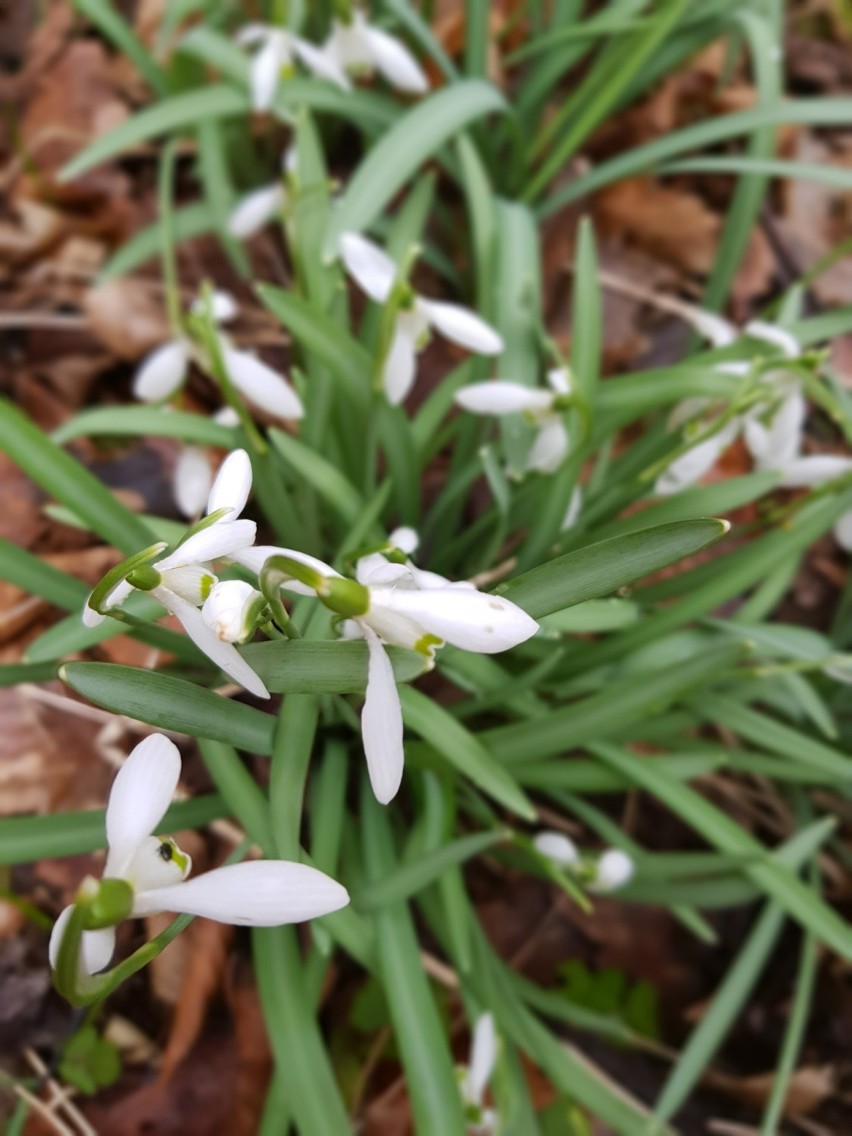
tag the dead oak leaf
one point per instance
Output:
(669, 223)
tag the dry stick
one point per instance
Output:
(46, 1113)
(60, 1095)
(48, 320)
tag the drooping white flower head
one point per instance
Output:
(558, 847)
(361, 49)
(163, 371)
(277, 49)
(260, 893)
(540, 407)
(475, 1076)
(252, 212)
(230, 610)
(375, 273)
(260, 384)
(403, 606)
(614, 869)
(183, 579)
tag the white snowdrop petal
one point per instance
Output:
(226, 609)
(396, 63)
(381, 723)
(405, 538)
(572, 513)
(758, 443)
(161, 373)
(252, 33)
(192, 480)
(400, 365)
(692, 465)
(814, 470)
(224, 655)
(372, 269)
(261, 385)
(149, 869)
(320, 62)
(549, 447)
(718, 330)
(92, 618)
(426, 580)
(256, 893)
(226, 416)
(465, 617)
(96, 947)
(502, 396)
(211, 543)
(232, 486)
(559, 380)
(778, 336)
(252, 212)
(615, 868)
(843, 531)
(223, 306)
(348, 46)
(785, 433)
(141, 792)
(254, 559)
(191, 582)
(556, 846)
(462, 326)
(483, 1057)
(265, 71)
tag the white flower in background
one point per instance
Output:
(192, 480)
(277, 51)
(814, 470)
(259, 893)
(183, 580)
(474, 1078)
(375, 273)
(361, 49)
(772, 430)
(575, 507)
(162, 373)
(252, 212)
(614, 869)
(399, 605)
(558, 847)
(608, 872)
(541, 408)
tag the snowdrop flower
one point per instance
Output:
(259, 893)
(183, 580)
(254, 210)
(396, 604)
(772, 430)
(614, 869)
(542, 408)
(232, 609)
(163, 372)
(818, 469)
(557, 847)
(277, 51)
(375, 273)
(359, 48)
(474, 1078)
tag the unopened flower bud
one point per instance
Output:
(614, 870)
(231, 610)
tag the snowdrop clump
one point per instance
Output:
(395, 604)
(541, 408)
(376, 275)
(163, 372)
(184, 580)
(606, 873)
(153, 870)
